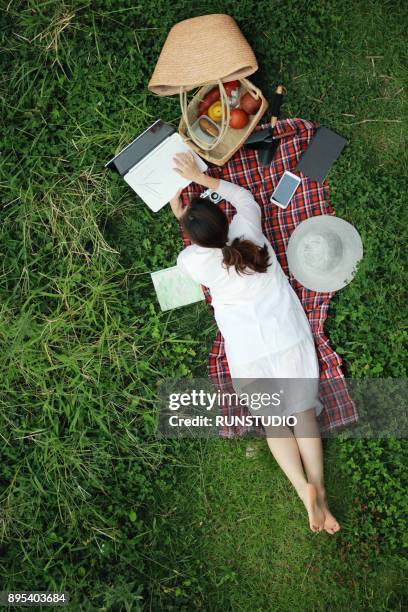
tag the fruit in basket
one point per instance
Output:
(208, 127)
(238, 118)
(212, 96)
(230, 86)
(232, 91)
(202, 108)
(250, 104)
(215, 111)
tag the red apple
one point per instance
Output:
(250, 104)
(238, 119)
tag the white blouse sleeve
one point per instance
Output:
(243, 200)
(181, 262)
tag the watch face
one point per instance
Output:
(214, 197)
(211, 195)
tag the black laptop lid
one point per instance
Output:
(321, 154)
(140, 147)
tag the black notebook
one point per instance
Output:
(321, 154)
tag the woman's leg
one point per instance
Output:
(285, 450)
(309, 442)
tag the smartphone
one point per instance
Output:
(285, 189)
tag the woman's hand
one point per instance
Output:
(175, 204)
(186, 166)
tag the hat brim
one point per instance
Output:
(343, 273)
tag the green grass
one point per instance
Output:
(235, 537)
(90, 500)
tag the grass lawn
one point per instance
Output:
(90, 500)
(234, 536)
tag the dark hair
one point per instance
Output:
(206, 224)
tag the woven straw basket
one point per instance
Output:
(205, 52)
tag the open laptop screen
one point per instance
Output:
(140, 147)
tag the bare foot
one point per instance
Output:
(316, 515)
(330, 524)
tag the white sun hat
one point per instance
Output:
(323, 253)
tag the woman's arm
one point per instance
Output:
(187, 167)
(175, 205)
(242, 199)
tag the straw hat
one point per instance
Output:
(200, 50)
(323, 253)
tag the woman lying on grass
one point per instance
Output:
(265, 329)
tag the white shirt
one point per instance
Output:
(257, 314)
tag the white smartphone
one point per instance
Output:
(285, 189)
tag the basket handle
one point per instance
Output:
(252, 89)
(202, 144)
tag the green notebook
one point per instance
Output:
(175, 289)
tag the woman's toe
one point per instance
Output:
(332, 527)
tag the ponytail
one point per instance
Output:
(244, 254)
(206, 224)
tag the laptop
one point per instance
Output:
(146, 164)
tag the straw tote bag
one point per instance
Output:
(204, 52)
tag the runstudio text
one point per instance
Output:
(231, 421)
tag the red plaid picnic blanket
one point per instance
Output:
(310, 199)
